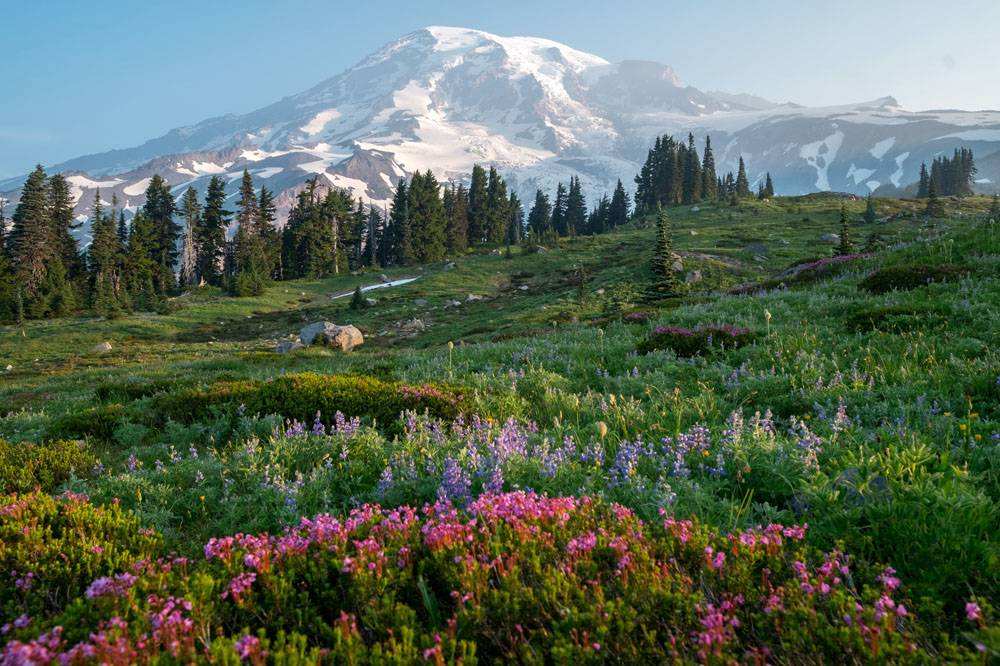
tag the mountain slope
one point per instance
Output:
(445, 98)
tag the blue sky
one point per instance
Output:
(81, 77)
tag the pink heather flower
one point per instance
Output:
(715, 560)
(105, 586)
(239, 586)
(973, 612)
(247, 646)
(888, 579)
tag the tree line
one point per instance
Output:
(948, 176)
(674, 173)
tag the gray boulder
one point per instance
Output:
(286, 346)
(344, 338)
(309, 333)
(830, 238)
(101, 347)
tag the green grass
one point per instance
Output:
(914, 480)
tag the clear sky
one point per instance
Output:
(80, 77)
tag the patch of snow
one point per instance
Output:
(381, 285)
(819, 155)
(267, 172)
(897, 175)
(859, 174)
(983, 181)
(879, 150)
(873, 185)
(135, 189)
(320, 121)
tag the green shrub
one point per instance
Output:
(129, 390)
(898, 318)
(51, 549)
(687, 342)
(302, 396)
(99, 422)
(27, 465)
(909, 276)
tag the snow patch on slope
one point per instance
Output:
(897, 175)
(819, 155)
(879, 150)
(320, 121)
(137, 188)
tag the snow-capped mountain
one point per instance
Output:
(446, 98)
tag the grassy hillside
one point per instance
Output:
(865, 404)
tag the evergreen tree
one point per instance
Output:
(925, 179)
(269, 234)
(457, 213)
(515, 219)
(139, 273)
(427, 221)
(477, 207)
(709, 179)
(846, 246)
(558, 223)
(61, 213)
(398, 236)
(103, 259)
(935, 208)
(576, 208)
(211, 239)
(691, 192)
(667, 283)
(191, 211)
(871, 215)
(159, 210)
(497, 215)
(35, 255)
(742, 184)
(540, 216)
(358, 301)
(374, 228)
(618, 211)
(250, 270)
(768, 187)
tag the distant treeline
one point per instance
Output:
(950, 177)
(674, 174)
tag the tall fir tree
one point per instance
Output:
(768, 187)
(211, 239)
(515, 219)
(103, 260)
(846, 245)
(709, 179)
(427, 221)
(691, 192)
(667, 282)
(935, 207)
(398, 235)
(496, 208)
(742, 183)
(558, 222)
(140, 270)
(374, 227)
(540, 216)
(576, 208)
(924, 182)
(618, 211)
(458, 220)
(477, 206)
(270, 236)
(63, 224)
(159, 210)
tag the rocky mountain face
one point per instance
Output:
(447, 98)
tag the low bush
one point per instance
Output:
(99, 422)
(802, 274)
(514, 577)
(686, 342)
(52, 549)
(26, 465)
(898, 318)
(302, 396)
(909, 276)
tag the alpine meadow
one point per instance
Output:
(491, 350)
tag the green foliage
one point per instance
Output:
(26, 466)
(99, 422)
(358, 301)
(910, 276)
(57, 547)
(302, 396)
(686, 342)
